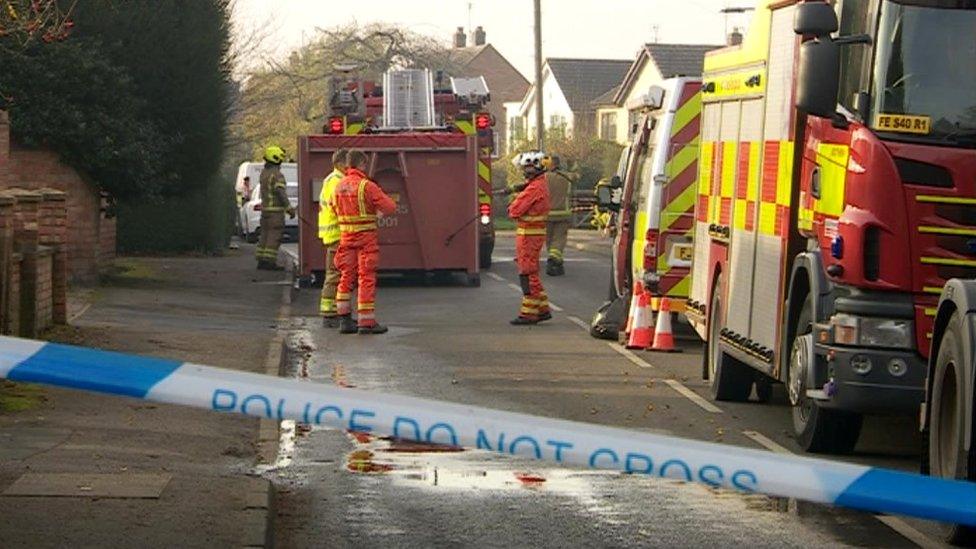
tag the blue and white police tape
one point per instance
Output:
(564, 442)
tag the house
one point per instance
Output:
(654, 63)
(569, 87)
(505, 82)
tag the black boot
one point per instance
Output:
(330, 321)
(555, 268)
(347, 325)
(545, 316)
(375, 329)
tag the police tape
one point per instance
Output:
(560, 441)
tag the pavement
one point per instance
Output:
(79, 469)
(454, 343)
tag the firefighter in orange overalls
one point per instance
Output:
(530, 210)
(358, 202)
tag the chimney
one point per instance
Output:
(479, 36)
(460, 40)
(735, 38)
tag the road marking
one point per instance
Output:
(898, 525)
(630, 356)
(494, 276)
(515, 287)
(578, 322)
(910, 533)
(555, 307)
(766, 442)
(693, 396)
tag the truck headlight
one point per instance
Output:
(866, 331)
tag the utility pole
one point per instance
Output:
(539, 118)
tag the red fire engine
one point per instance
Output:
(430, 143)
(837, 195)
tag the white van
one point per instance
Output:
(249, 199)
(654, 225)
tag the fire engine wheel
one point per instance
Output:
(731, 379)
(817, 429)
(947, 455)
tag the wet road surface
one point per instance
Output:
(455, 344)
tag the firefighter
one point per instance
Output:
(274, 205)
(530, 210)
(358, 203)
(329, 233)
(560, 216)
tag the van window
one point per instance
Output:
(290, 171)
(646, 177)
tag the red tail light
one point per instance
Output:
(650, 250)
(484, 209)
(482, 121)
(257, 207)
(336, 124)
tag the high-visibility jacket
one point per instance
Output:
(560, 195)
(530, 209)
(357, 201)
(328, 220)
(274, 198)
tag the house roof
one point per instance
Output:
(583, 80)
(464, 56)
(670, 59)
(606, 99)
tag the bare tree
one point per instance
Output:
(23, 22)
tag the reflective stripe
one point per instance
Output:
(530, 232)
(932, 290)
(367, 306)
(686, 114)
(948, 261)
(947, 230)
(343, 296)
(832, 160)
(930, 311)
(946, 200)
(531, 218)
(484, 171)
(466, 127)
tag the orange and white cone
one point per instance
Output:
(663, 338)
(642, 334)
(634, 299)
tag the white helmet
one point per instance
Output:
(531, 159)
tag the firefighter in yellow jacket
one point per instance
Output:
(329, 233)
(274, 205)
(560, 216)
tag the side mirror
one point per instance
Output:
(818, 77)
(815, 18)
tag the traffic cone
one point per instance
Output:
(642, 334)
(634, 299)
(663, 338)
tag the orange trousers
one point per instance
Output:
(535, 302)
(357, 258)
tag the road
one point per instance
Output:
(455, 344)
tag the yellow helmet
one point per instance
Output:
(274, 154)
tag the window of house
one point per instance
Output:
(516, 129)
(557, 124)
(608, 126)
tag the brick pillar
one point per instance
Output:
(26, 242)
(52, 232)
(4, 138)
(6, 262)
(13, 293)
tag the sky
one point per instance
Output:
(594, 29)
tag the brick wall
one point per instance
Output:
(13, 296)
(91, 238)
(43, 295)
(6, 260)
(52, 232)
